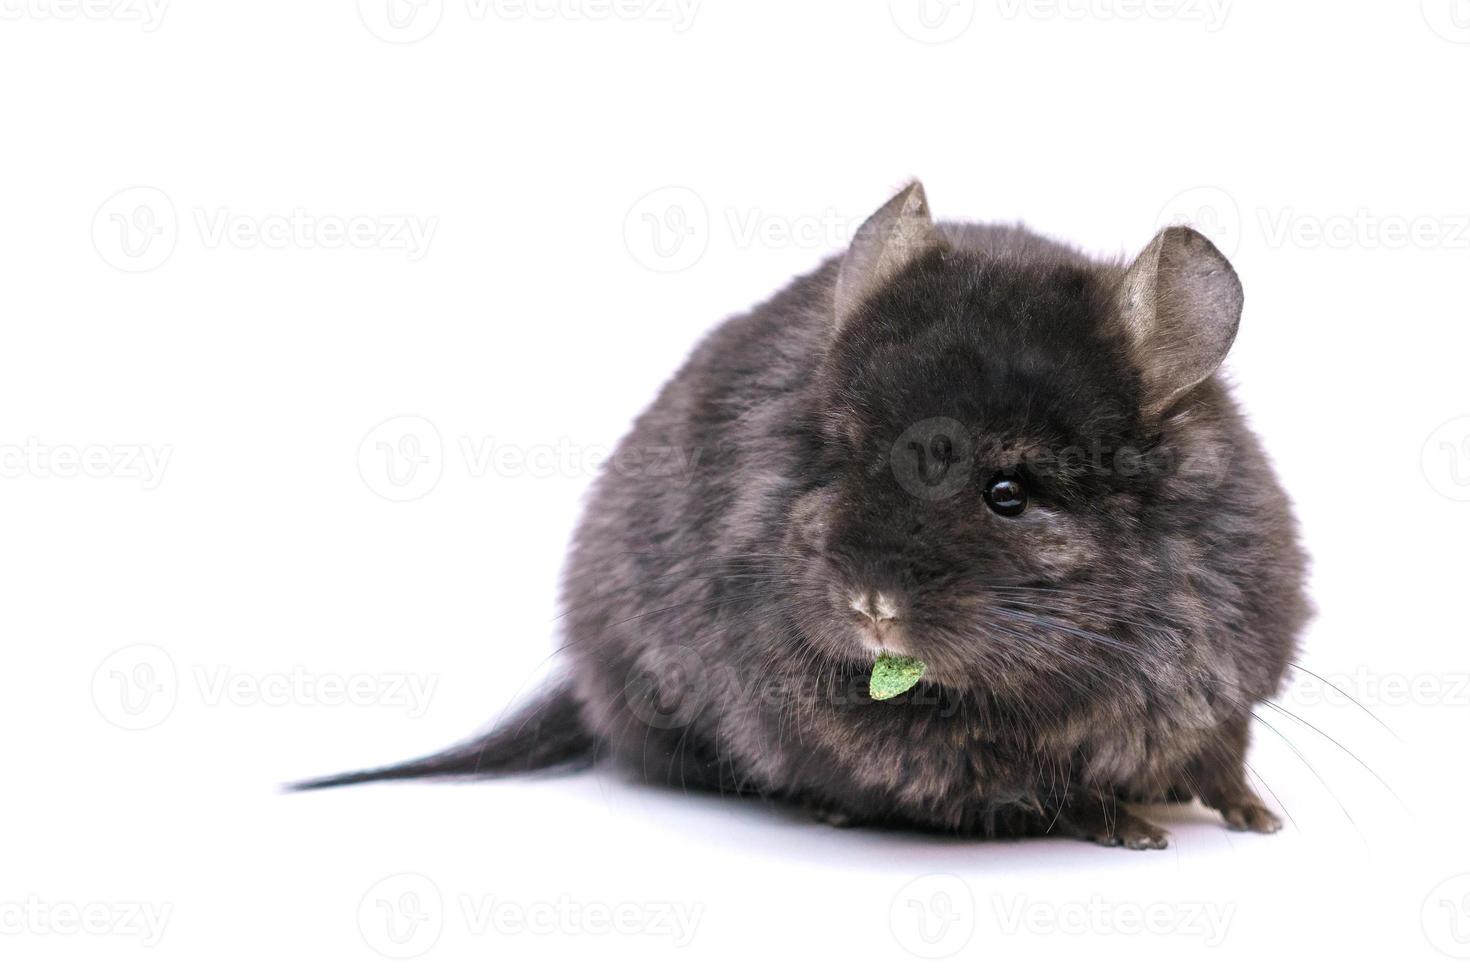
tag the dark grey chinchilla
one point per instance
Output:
(964, 444)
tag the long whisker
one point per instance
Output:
(1311, 768)
(1352, 755)
(1297, 666)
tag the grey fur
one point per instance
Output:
(1107, 645)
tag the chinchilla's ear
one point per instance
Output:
(1181, 307)
(896, 233)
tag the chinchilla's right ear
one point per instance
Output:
(897, 233)
(1181, 303)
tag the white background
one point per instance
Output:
(176, 289)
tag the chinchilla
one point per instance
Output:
(964, 444)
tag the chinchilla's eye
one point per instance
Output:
(1006, 495)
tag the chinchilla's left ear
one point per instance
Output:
(1181, 305)
(897, 233)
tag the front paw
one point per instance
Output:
(829, 816)
(1134, 834)
(1113, 826)
(1249, 814)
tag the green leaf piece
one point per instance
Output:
(893, 674)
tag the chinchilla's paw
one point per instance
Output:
(1249, 813)
(1111, 827)
(1134, 833)
(829, 816)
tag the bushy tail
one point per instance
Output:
(545, 733)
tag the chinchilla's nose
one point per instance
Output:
(877, 620)
(879, 608)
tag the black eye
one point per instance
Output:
(1006, 495)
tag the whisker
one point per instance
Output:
(1312, 768)
(1297, 666)
(1352, 755)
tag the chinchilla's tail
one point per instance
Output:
(546, 733)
